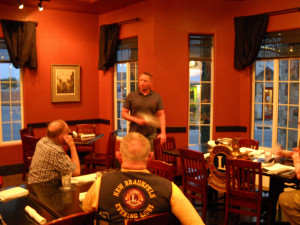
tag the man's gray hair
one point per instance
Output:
(135, 147)
(55, 128)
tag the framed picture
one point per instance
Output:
(65, 83)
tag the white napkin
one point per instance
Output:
(206, 155)
(83, 178)
(211, 143)
(244, 150)
(35, 215)
(12, 193)
(87, 136)
(82, 196)
(279, 168)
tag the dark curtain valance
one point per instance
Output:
(249, 32)
(20, 38)
(108, 46)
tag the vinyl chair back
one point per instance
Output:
(158, 150)
(107, 159)
(158, 219)
(86, 129)
(248, 143)
(243, 193)
(194, 176)
(28, 146)
(82, 218)
(161, 168)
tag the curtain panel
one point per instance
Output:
(108, 46)
(20, 38)
(249, 32)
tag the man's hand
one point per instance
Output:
(69, 140)
(163, 138)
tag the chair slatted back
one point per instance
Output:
(242, 189)
(161, 168)
(194, 176)
(28, 145)
(168, 145)
(248, 143)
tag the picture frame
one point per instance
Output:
(65, 83)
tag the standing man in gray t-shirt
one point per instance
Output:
(144, 101)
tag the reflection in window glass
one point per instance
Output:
(280, 98)
(11, 118)
(200, 91)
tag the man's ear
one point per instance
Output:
(119, 156)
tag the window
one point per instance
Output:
(11, 102)
(276, 91)
(126, 78)
(200, 91)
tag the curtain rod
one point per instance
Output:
(283, 11)
(129, 21)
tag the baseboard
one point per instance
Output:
(11, 169)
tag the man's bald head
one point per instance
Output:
(56, 128)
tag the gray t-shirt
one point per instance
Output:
(137, 102)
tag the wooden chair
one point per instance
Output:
(194, 176)
(28, 145)
(161, 168)
(96, 159)
(1, 182)
(243, 194)
(248, 143)
(166, 218)
(158, 148)
(82, 218)
(86, 129)
(26, 131)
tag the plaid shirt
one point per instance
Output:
(48, 162)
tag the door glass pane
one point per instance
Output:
(283, 70)
(282, 116)
(294, 93)
(267, 137)
(281, 137)
(194, 135)
(269, 70)
(293, 117)
(258, 133)
(6, 132)
(259, 92)
(205, 93)
(206, 70)
(194, 113)
(259, 70)
(283, 93)
(292, 139)
(294, 70)
(258, 113)
(16, 131)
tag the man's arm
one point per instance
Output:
(162, 120)
(125, 115)
(296, 159)
(182, 208)
(74, 155)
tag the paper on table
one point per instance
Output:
(82, 196)
(87, 136)
(279, 168)
(12, 193)
(83, 178)
(38, 218)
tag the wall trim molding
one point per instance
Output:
(11, 169)
(231, 129)
(71, 122)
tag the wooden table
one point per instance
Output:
(276, 185)
(47, 199)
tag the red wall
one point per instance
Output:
(163, 50)
(72, 38)
(62, 38)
